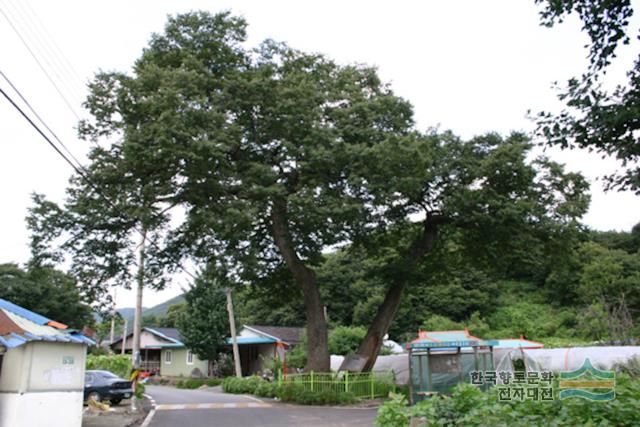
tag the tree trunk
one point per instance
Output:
(318, 348)
(372, 342)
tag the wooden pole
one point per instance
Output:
(234, 341)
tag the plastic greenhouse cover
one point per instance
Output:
(569, 359)
(399, 364)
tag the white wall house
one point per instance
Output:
(41, 370)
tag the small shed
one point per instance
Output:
(41, 370)
(438, 360)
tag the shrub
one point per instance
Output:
(296, 393)
(346, 339)
(469, 406)
(246, 385)
(118, 364)
(437, 322)
(140, 390)
(266, 389)
(193, 383)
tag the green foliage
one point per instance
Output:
(345, 339)
(630, 368)
(46, 291)
(595, 118)
(440, 323)
(118, 364)
(204, 323)
(140, 388)
(298, 394)
(297, 357)
(193, 383)
(469, 406)
(394, 412)
(244, 385)
(267, 389)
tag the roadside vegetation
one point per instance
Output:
(287, 392)
(469, 406)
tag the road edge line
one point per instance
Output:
(254, 398)
(152, 412)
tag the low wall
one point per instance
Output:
(50, 409)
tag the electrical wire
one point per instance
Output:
(44, 70)
(79, 170)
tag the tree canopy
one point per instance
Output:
(595, 118)
(276, 154)
(46, 291)
(203, 323)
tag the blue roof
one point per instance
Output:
(22, 326)
(252, 340)
(517, 343)
(27, 314)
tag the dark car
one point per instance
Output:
(105, 385)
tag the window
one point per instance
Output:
(189, 357)
(167, 356)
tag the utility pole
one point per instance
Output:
(137, 318)
(124, 337)
(112, 335)
(234, 341)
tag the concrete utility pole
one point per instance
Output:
(137, 318)
(113, 319)
(124, 337)
(234, 341)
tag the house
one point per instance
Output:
(162, 352)
(42, 368)
(260, 344)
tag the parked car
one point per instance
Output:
(105, 385)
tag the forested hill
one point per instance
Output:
(585, 289)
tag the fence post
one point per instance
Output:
(372, 385)
(312, 381)
(346, 381)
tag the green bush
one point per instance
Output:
(346, 339)
(266, 389)
(469, 406)
(118, 364)
(246, 385)
(192, 383)
(140, 390)
(297, 393)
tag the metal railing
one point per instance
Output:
(368, 385)
(150, 365)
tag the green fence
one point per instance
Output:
(363, 385)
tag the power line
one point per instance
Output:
(80, 171)
(40, 118)
(38, 32)
(35, 57)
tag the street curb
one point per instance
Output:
(151, 413)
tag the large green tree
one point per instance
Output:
(204, 323)
(277, 154)
(46, 291)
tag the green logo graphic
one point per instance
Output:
(588, 383)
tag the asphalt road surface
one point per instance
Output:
(212, 408)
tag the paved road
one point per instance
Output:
(212, 408)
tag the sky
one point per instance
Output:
(468, 66)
